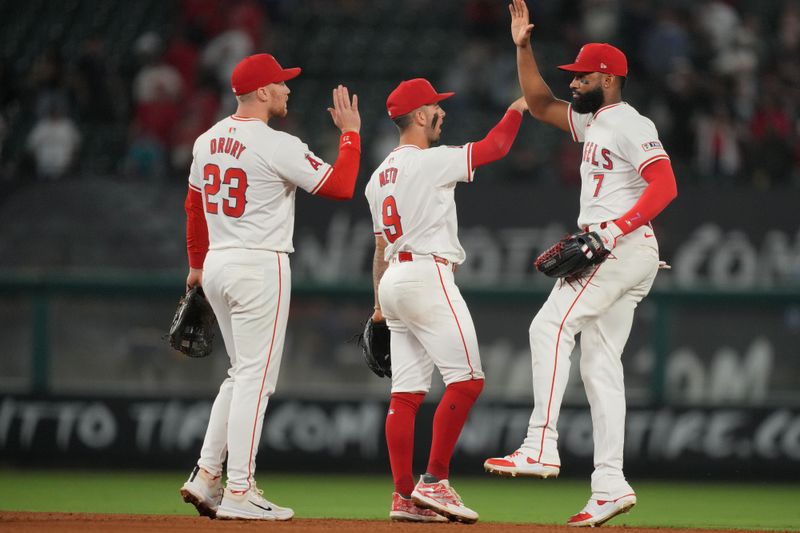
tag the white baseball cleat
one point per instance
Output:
(404, 510)
(598, 512)
(519, 464)
(204, 491)
(441, 498)
(251, 505)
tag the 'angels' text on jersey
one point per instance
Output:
(618, 144)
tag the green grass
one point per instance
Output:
(661, 504)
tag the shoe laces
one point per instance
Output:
(455, 495)
(255, 491)
(446, 493)
(259, 492)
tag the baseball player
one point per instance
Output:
(240, 220)
(626, 180)
(411, 198)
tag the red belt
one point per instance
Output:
(404, 257)
(604, 224)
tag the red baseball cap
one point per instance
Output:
(599, 57)
(257, 71)
(411, 94)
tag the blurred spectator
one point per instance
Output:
(204, 17)
(723, 90)
(146, 157)
(157, 116)
(90, 78)
(224, 52)
(718, 154)
(198, 113)
(771, 143)
(600, 19)
(156, 79)
(250, 17)
(183, 55)
(674, 111)
(666, 45)
(469, 74)
(46, 82)
(54, 142)
(719, 21)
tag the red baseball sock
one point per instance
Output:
(448, 421)
(400, 438)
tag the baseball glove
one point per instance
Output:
(570, 257)
(374, 342)
(192, 330)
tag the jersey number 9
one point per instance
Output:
(233, 201)
(391, 220)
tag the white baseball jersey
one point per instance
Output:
(412, 199)
(248, 174)
(618, 144)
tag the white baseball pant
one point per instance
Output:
(430, 323)
(249, 291)
(600, 307)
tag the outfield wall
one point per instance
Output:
(348, 436)
(712, 353)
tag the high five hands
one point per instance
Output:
(521, 26)
(344, 112)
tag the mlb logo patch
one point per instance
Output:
(652, 145)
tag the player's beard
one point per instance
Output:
(282, 110)
(588, 102)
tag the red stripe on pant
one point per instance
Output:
(458, 324)
(555, 363)
(264, 377)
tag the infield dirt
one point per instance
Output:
(118, 523)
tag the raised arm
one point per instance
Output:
(498, 141)
(542, 105)
(342, 180)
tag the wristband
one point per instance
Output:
(350, 139)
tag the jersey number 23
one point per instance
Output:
(232, 198)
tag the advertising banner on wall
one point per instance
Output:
(347, 436)
(708, 235)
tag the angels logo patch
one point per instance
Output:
(652, 145)
(313, 162)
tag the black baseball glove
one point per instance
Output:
(570, 257)
(374, 342)
(192, 330)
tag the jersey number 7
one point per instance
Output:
(391, 220)
(234, 200)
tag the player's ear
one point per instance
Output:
(264, 94)
(420, 118)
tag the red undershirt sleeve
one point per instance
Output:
(196, 229)
(342, 181)
(498, 141)
(660, 191)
